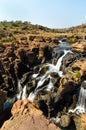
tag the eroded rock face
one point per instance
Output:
(27, 117)
(70, 59)
(3, 96)
(79, 47)
(18, 59)
(3, 114)
(65, 93)
(80, 65)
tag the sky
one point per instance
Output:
(49, 13)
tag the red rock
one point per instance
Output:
(80, 121)
(26, 116)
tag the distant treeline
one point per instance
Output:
(28, 26)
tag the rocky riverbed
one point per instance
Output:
(47, 80)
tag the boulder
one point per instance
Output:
(26, 116)
(80, 121)
(80, 66)
(70, 59)
(65, 120)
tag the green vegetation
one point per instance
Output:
(72, 39)
(18, 31)
(77, 75)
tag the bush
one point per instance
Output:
(72, 40)
(77, 75)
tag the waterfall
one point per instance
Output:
(56, 120)
(81, 104)
(56, 68)
(45, 81)
(24, 93)
(58, 65)
(32, 96)
(21, 92)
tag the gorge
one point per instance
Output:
(45, 90)
(42, 81)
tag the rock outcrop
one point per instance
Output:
(18, 59)
(65, 120)
(79, 47)
(80, 121)
(26, 116)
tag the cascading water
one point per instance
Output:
(81, 104)
(56, 68)
(58, 65)
(21, 92)
(45, 80)
(24, 93)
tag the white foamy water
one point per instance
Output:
(45, 81)
(34, 75)
(55, 120)
(56, 68)
(32, 96)
(59, 62)
(81, 104)
(19, 91)
(24, 93)
(49, 86)
(78, 110)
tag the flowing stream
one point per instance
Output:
(44, 82)
(81, 104)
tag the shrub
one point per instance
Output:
(77, 75)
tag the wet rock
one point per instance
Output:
(48, 52)
(67, 90)
(65, 120)
(70, 59)
(48, 103)
(27, 117)
(3, 96)
(3, 114)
